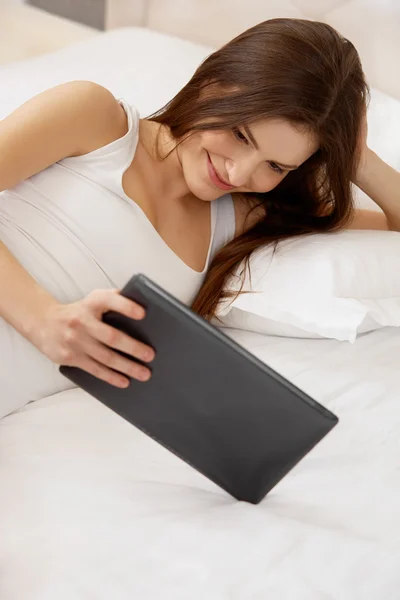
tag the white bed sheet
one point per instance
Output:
(92, 508)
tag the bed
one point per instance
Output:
(91, 508)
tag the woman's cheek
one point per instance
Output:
(264, 183)
(218, 143)
(269, 181)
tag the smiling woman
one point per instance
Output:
(283, 140)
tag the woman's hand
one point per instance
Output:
(75, 335)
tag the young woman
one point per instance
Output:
(263, 143)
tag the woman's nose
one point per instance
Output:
(240, 172)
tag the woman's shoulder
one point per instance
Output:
(248, 212)
(68, 120)
(104, 110)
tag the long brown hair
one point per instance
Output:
(306, 73)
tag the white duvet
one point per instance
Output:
(92, 509)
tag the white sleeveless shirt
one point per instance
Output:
(74, 230)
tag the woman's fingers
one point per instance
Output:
(102, 372)
(96, 345)
(113, 338)
(104, 355)
(104, 300)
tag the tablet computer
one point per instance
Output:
(210, 401)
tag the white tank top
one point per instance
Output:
(74, 229)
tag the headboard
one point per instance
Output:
(372, 25)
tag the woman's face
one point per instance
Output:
(252, 158)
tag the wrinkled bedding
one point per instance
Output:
(92, 508)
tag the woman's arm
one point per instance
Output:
(382, 184)
(68, 120)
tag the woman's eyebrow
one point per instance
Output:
(257, 147)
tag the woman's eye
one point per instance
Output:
(275, 167)
(240, 136)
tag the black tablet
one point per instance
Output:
(209, 401)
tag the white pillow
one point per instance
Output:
(333, 285)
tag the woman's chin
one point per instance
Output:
(204, 192)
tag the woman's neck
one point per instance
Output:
(166, 174)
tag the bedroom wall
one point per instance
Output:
(88, 12)
(26, 31)
(100, 14)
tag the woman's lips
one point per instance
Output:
(215, 177)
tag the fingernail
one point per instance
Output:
(144, 375)
(149, 355)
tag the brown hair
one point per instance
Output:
(298, 70)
